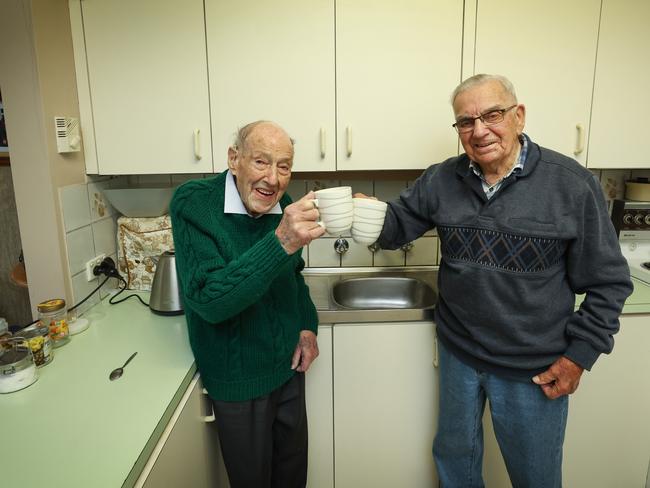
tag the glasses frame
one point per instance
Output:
(501, 111)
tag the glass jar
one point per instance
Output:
(38, 339)
(52, 314)
(17, 369)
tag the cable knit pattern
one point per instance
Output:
(245, 298)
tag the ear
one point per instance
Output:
(233, 160)
(520, 114)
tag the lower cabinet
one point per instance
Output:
(607, 440)
(188, 452)
(372, 419)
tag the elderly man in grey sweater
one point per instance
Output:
(523, 229)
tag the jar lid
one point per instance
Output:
(51, 305)
(14, 360)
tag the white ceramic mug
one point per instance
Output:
(369, 215)
(335, 208)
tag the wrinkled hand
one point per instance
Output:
(561, 378)
(299, 224)
(306, 351)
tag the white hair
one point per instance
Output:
(484, 78)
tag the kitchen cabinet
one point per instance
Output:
(320, 414)
(385, 404)
(396, 64)
(273, 61)
(187, 453)
(620, 83)
(607, 440)
(548, 52)
(143, 78)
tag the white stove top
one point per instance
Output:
(637, 254)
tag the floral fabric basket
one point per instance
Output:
(140, 241)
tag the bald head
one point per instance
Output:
(259, 128)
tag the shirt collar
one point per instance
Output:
(517, 168)
(233, 204)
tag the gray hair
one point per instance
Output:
(484, 78)
(244, 132)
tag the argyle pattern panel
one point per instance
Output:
(495, 249)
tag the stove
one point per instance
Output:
(632, 223)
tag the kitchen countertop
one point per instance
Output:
(74, 427)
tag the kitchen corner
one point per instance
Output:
(75, 427)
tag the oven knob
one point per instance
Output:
(627, 218)
(638, 219)
(647, 219)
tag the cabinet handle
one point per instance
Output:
(322, 143)
(435, 350)
(197, 146)
(348, 140)
(580, 139)
(210, 417)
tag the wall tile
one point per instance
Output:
(384, 257)
(80, 247)
(81, 287)
(360, 186)
(178, 179)
(154, 181)
(313, 185)
(105, 236)
(357, 255)
(424, 252)
(322, 253)
(388, 190)
(100, 207)
(297, 189)
(74, 206)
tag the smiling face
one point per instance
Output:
(262, 167)
(493, 146)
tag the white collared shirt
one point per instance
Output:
(233, 204)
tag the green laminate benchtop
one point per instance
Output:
(637, 302)
(74, 427)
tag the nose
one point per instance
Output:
(479, 128)
(271, 176)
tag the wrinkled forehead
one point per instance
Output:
(479, 98)
(268, 138)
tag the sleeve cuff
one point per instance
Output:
(582, 353)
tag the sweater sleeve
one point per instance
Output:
(407, 218)
(597, 268)
(309, 313)
(215, 289)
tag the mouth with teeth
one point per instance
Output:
(264, 194)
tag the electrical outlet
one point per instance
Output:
(90, 265)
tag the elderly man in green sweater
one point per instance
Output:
(252, 324)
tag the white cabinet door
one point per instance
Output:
(188, 453)
(396, 65)
(607, 440)
(148, 86)
(385, 405)
(548, 51)
(620, 86)
(320, 414)
(273, 61)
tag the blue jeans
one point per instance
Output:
(528, 426)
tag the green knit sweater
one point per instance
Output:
(245, 299)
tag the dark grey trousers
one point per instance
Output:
(264, 440)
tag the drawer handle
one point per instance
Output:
(348, 140)
(210, 417)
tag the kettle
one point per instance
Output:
(165, 298)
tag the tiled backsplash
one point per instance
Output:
(90, 223)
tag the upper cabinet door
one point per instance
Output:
(148, 85)
(621, 86)
(273, 61)
(396, 65)
(548, 50)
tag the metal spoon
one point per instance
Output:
(117, 372)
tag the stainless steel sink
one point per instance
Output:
(383, 292)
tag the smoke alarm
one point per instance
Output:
(68, 138)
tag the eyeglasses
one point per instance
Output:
(493, 117)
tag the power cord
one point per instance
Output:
(107, 268)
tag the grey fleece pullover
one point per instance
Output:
(512, 265)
